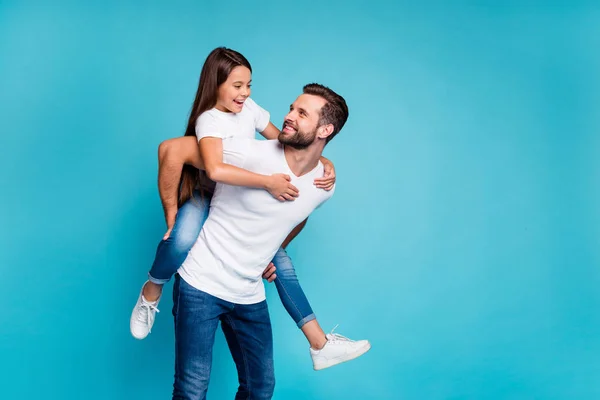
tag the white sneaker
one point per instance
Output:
(142, 317)
(338, 349)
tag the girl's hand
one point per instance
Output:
(280, 187)
(328, 179)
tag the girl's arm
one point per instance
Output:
(211, 152)
(271, 132)
(328, 179)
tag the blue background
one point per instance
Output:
(463, 238)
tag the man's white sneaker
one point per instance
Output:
(338, 349)
(142, 317)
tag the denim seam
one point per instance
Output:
(177, 319)
(178, 304)
(247, 370)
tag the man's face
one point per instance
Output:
(301, 123)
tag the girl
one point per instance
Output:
(223, 105)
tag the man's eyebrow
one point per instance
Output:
(300, 109)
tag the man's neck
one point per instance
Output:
(303, 161)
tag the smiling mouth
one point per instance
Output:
(239, 103)
(289, 129)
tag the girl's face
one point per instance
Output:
(235, 90)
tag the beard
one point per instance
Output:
(299, 140)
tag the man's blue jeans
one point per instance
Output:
(247, 328)
(171, 253)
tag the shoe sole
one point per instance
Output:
(340, 360)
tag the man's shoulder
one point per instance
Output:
(270, 143)
(261, 148)
(262, 145)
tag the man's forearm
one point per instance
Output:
(294, 233)
(173, 154)
(169, 175)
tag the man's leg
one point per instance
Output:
(196, 318)
(248, 332)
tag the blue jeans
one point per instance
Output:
(247, 328)
(171, 253)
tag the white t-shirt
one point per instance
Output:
(246, 226)
(253, 118)
(221, 124)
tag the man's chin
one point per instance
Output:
(294, 140)
(293, 144)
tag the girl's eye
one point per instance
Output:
(237, 87)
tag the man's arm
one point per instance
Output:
(172, 155)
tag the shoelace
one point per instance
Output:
(335, 337)
(146, 312)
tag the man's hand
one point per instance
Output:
(269, 273)
(168, 233)
(328, 179)
(170, 216)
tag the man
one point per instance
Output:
(220, 280)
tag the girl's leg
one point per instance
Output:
(326, 350)
(294, 300)
(170, 254)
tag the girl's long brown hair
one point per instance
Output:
(217, 67)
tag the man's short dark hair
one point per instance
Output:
(334, 112)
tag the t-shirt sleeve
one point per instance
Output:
(238, 150)
(327, 195)
(206, 126)
(261, 116)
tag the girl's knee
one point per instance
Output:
(182, 242)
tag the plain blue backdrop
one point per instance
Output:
(463, 238)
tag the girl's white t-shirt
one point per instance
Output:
(215, 123)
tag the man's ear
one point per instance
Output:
(325, 131)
